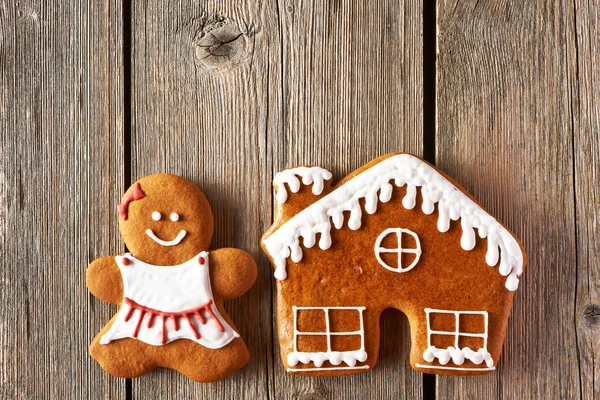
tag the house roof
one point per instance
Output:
(374, 184)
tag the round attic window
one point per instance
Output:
(403, 251)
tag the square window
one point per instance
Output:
(328, 329)
(471, 330)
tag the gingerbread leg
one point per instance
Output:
(126, 358)
(202, 364)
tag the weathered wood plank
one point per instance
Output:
(201, 109)
(352, 91)
(61, 177)
(587, 175)
(505, 77)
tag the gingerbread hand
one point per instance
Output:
(232, 273)
(104, 280)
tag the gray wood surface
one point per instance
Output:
(227, 93)
(61, 150)
(506, 82)
(586, 125)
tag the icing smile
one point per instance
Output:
(173, 242)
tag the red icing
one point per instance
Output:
(201, 318)
(187, 315)
(196, 334)
(201, 260)
(137, 327)
(126, 261)
(128, 313)
(150, 319)
(135, 194)
(213, 316)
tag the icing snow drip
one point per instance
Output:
(375, 184)
(315, 175)
(458, 356)
(334, 357)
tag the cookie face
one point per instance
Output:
(396, 233)
(169, 287)
(165, 219)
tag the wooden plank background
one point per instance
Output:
(227, 93)
(61, 119)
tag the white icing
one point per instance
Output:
(156, 216)
(315, 175)
(402, 169)
(173, 242)
(327, 369)
(458, 356)
(168, 289)
(174, 217)
(455, 353)
(454, 368)
(399, 250)
(334, 357)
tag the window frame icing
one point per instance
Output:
(399, 249)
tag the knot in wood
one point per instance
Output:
(591, 315)
(316, 394)
(223, 45)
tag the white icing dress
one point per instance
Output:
(165, 303)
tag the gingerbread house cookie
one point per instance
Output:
(397, 233)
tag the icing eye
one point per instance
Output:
(174, 217)
(156, 216)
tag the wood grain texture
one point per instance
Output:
(352, 91)
(203, 113)
(586, 119)
(506, 74)
(227, 93)
(61, 176)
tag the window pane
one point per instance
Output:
(310, 320)
(472, 323)
(442, 341)
(442, 322)
(312, 343)
(345, 343)
(344, 320)
(473, 343)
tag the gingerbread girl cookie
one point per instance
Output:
(171, 290)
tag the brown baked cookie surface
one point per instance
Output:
(169, 287)
(397, 233)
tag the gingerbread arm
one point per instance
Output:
(232, 273)
(104, 280)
